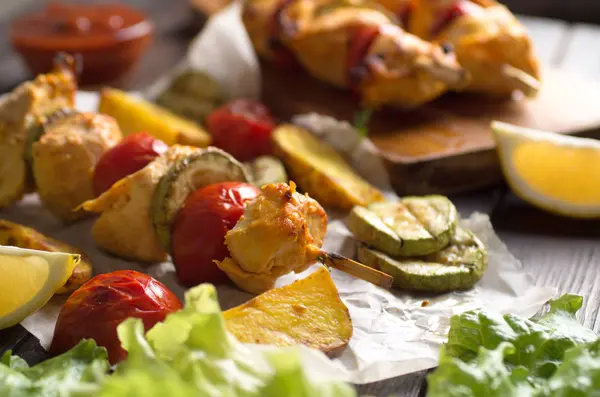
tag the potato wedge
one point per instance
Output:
(16, 235)
(321, 171)
(308, 312)
(136, 114)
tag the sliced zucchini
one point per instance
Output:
(414, 226)
(197, 84)
(39, 127)
(265, 170)
(193, 95)
(459, 266)
(186, 176)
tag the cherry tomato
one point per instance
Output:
(131, 154)
(361, 40)
(242, 128)
(455, 10)
(198, 234)
(100, 305)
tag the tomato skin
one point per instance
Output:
(243, 128)
(361, 40)
(457, 9)
(198, 233)
(132, 154)
(100, 305)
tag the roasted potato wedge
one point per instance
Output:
(136, 114)
(13, 234)
(321, 171)
(308, 312)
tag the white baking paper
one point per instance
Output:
(394, 333)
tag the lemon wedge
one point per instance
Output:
(558, 173)
(28, 279)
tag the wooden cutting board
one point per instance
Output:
(445, 147)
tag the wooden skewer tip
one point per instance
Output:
(356, 269)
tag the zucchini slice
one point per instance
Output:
(265, 170)
(414, 226)
(186, 176)
(459, 266)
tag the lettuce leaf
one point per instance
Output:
(489, 354)
(76, 372)
(578, 376)
(192, 354)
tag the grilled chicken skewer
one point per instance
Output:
(46, 145)
(354, 44)
(487, 38)
(19, 113)
(280, 232)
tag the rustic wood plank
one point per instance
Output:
(580, 56)
(556, 251)
(573, 10)
(403, 386)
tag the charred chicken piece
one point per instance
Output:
(487, 38)
(64, 158)
(19, 112)
(354, 44)
(281, 231)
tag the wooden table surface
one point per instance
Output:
(556, 251)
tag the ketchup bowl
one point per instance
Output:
(108, 39)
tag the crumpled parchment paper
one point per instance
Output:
(394, 333)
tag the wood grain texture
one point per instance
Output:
(556, 251)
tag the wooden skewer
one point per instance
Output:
(529, 85)
(457, 77)
(356, 269)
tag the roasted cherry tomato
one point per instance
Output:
(457, 9)
(361, 41)
(242, 128)
(131, 154)
(100, 305)
(198, 234)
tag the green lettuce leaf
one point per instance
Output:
(489, 354)
(76, 372)
(192, 354)
(578, 376)
(485, 376)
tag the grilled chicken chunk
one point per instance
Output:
(64, 159)
(19, 112)
(281, 231)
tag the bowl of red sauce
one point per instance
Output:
(106, 39)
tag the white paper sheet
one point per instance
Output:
(393, 333)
